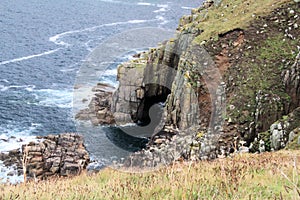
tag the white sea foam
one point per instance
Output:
(162, 19)
(160, 10)
(186, 8)
(46, 97)
(26, 87)
(137, 21)
(54, 98)
(57, 39)
(4, 80)
(68, 70)
(111, 1)
(3, 88)
(13, 137)
(109, 77)
(30, 88)
(162, 5)
(29, 57)
(128, 125)
(15, 143)
(110, 72)
(145, 4)
(13, 178)
(86, 44)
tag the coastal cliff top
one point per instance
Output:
(229, 15)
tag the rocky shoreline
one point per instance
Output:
(228, 89)
(54, 155)
(221, 94)
(99, 108)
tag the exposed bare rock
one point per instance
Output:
(62, 155)
(250, 71)
(99, 109)
(291, 78)
(281, 132)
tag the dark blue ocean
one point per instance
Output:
(43, 46)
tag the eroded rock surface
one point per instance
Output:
(62, 155)
(257, 83)
(227, 88)
(99, 108)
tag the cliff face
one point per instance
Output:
(231, 71)
(147, 80)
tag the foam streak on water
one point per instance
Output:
(57, 38)
(43, 45)
(29, 57)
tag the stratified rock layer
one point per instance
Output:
(230, 72)
(62, 155)
(232, 87)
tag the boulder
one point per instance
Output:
(284, 131)
(99, 109)
(63, 155)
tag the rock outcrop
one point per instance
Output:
(229, 73)
(151, 81)
(182, 75)
(291, 79)
(63, 155)
(251, 72)
(99, 109)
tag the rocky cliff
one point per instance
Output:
(231, 71)
(229, 81)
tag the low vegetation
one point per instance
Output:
(247, 176)
(272, 175)
(233, 14)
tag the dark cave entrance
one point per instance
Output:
(150, 109)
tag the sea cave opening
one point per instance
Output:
(150, 109)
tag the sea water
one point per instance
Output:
(44, 45)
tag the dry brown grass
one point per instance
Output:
(264, 176)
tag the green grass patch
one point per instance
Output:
(278, 48)
(233, 14)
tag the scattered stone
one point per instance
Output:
(243, 149)
(262, 147)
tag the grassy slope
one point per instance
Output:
(233, 14)
(264, 176)
(263, 56)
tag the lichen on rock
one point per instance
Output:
(230, 72)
